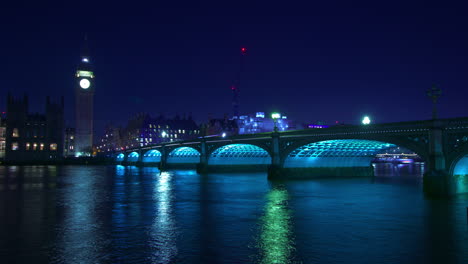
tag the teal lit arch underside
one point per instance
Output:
(239, 154)
(120, 157)
(152, 156)
(133, 157)
(184, 155)
(337, 153)
(461, 167)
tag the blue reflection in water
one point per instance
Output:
(163, 231)
(80, 236)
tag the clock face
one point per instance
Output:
(84, 83)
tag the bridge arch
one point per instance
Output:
(184, 155)
(120, 157)
(133, 157)
(457, 164)
(152, 156)
(343, 155)
(239, 154)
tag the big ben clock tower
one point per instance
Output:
(84, 100)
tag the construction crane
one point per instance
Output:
(236, 84)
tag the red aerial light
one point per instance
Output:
(233, 87)
(243, 50)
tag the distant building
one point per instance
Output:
(2, 138)
(33, 137)
(220, 126)
(69, 144)
(259, 123)
(111, 140)
(143, 130)
(316, 126)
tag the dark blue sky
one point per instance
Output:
(331, 60)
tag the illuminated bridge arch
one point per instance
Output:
(338, 153)
(133, 157)
(120, 157)
(461, 166)
(239, 154)
(152, 156)
(185, 155)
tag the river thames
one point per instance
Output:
(116, 214)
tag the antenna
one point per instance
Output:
(236, 84)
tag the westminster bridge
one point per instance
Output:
(335, 151)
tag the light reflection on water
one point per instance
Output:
(85, 214)
(276, 241)
(163, 235)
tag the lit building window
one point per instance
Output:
(15, 132)
(42, 146)
(14, 146)
(35, 146)
(53, 146)
(28, 146)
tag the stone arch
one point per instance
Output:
(184, 155)
(133, 157)
(239, 154)
(152, 156)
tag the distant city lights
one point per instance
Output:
(275, 115)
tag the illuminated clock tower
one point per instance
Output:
(84, 100)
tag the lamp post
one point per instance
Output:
(434, 93)
(275, 116)
(366, 120)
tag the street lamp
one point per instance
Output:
(366, 120)
(275, 116)
(434, 93)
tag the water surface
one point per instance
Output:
(93, 214)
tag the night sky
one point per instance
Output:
(313, 60)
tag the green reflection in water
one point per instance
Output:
(276, 242)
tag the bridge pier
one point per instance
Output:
(202, 167)
(275, 170)
(163, 163)
(436, 179)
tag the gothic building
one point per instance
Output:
(33, 137)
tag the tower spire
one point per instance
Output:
(85, 49)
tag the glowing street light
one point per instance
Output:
(366, 120)
(275, 116)
(224, 134)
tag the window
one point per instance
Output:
(42, 146)
(15, 132)
(28, 145)
(14, 146)
(53, 146)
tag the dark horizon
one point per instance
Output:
(313, 62)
